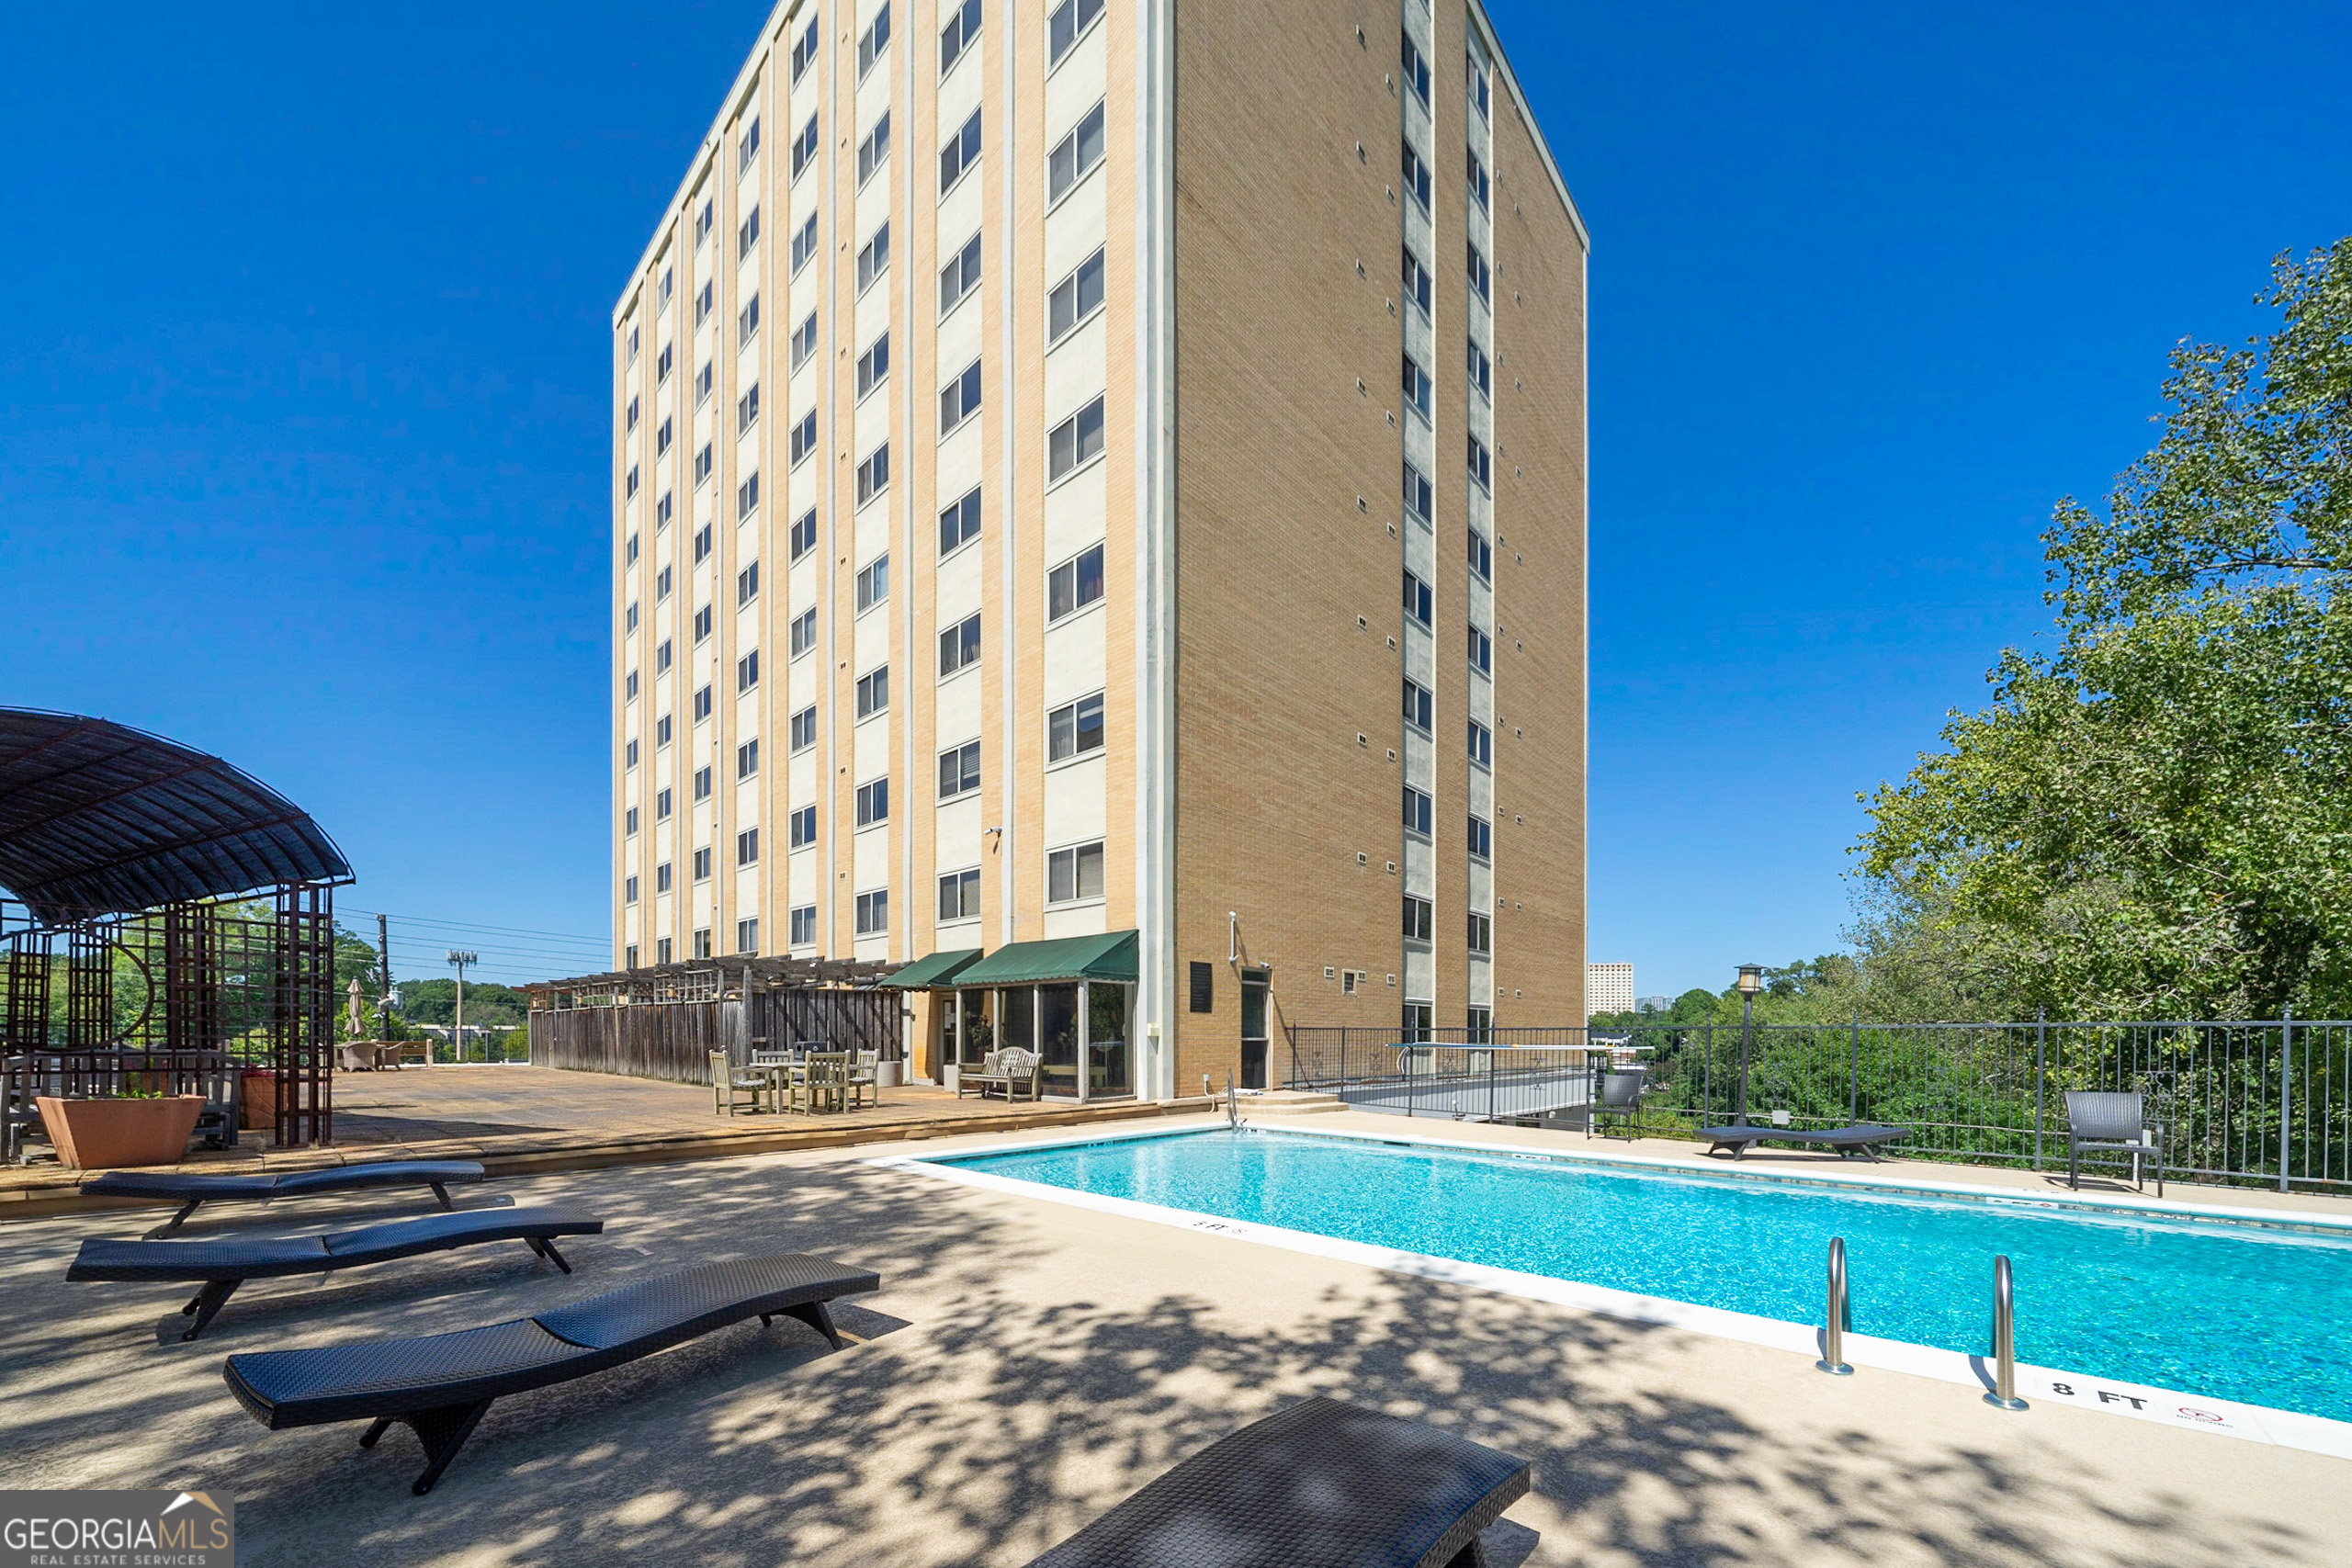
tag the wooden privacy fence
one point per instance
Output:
(675, 1040)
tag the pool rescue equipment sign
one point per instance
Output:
(117, 1529)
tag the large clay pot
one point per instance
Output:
(99, 1135)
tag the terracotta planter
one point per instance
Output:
(99, 1134)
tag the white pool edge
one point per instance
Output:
(2250, 1423)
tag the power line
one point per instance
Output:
(462, 925)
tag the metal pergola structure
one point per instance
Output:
(166, 919)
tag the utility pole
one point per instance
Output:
(460, 957)
(383, 977)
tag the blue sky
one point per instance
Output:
(303, 397)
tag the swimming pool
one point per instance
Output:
(2253, 1313)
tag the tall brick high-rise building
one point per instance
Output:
(1025, 416)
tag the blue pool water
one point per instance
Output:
(2233, 1312)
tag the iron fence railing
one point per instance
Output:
(2267, 1102)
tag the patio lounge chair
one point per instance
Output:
(1617, 1097)
(2116, 1123)
(226, 1264)
(1846, 1140)
(1322, 1484)
(1012, 1070)
(438, 1174)
(440, 1385)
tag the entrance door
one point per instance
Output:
(1255, 984)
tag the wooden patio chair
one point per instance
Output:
(732, 1086)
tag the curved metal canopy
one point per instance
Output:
(96, 818)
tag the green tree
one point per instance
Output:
(2155, 818)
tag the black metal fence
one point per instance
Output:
(2242, 1101)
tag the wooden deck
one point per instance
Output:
(516, 1119)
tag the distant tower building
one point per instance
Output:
(1607, 988)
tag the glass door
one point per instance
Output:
(1057, 1038)
(1107, 1072)
(1255, 1045)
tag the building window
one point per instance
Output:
(1075, 442)
(1417, 178)
(801, 441)
(804, 729)
(702, 943)
(1074, 299)
(959, 897)
(1477, 84)
(632, 346)
(662, 880)
(705, 216)
(628, 953)
(630, 618)
(1419, 392)
(1074, 874)
(747, 847)
(873, 153)
(702, 703)
(804, 245)
(960, 646)
(874, 365)
(960, 276)
(960, 522)
(632, 414)
(804, 147)
(629, 687)
(1482, 744)
(1482, 933)
(959, 398)
(1481, 277)
(1417, 281)
(1074, 584)
(1482, 557)
(747, 321)
(1480, 191)
(1420, 705)
(747, 147)
(747, 671)
(704, 463)
(1418, 600)
(630, 752)
(703, 545)
(874, 256)
(1415, 68)
(873, 474)
(702, 865)
(747, 497)
(1075, 156)
(1074, 728)
(629, 895)
(662, 950)
(1418, 496)
(663, 510)
(959, 770)
(874, 803)
(747, 759)
(804, 342)
(631, 482)
(747, 234)
(804, 826)
(747, 409)
(874, 912)
(663, 362)
(1482, 651)
(1069, 23)
(874, 692)
(1482, 466)
(1417, 811)
(804, 534)
(1481, 1024)
(1419, 914)
(804, 925)
(747, 936)
(747, 584)
(1482, 838)
(1482, 372)
(873, 583)
(803, 50)
(962, 30)
(702, 623)
(662, 436)
(628, 819)
(959, 153)
(877, 39)
(804, 632)
(662, 735)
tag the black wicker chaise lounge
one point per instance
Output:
(439, 1385)
(190, 1190)
(1322, 1484)
(1844, 1140)
(225, 1264)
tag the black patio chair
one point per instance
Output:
(2112, 1124)
(1616, 1097)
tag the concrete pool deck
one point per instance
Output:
(1027, 1364)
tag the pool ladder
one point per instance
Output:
(1838, 1318)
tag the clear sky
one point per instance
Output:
(304, 450)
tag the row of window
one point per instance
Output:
(1418, 809)
(1419, 919)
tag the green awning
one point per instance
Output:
(927, 973)
(1111, 956)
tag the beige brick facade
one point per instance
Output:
(1247, 646)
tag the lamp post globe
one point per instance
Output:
(1751, 980)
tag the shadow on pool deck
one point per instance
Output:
(1026, 1365)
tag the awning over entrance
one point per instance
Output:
(937, 971)
(1111, 956)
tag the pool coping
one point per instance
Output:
(2253, 1423)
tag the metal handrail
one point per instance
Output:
(1232, 1109)
(1833, 1336)
(2003, 1394)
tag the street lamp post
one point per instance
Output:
(462, 958)
(1751, 980)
